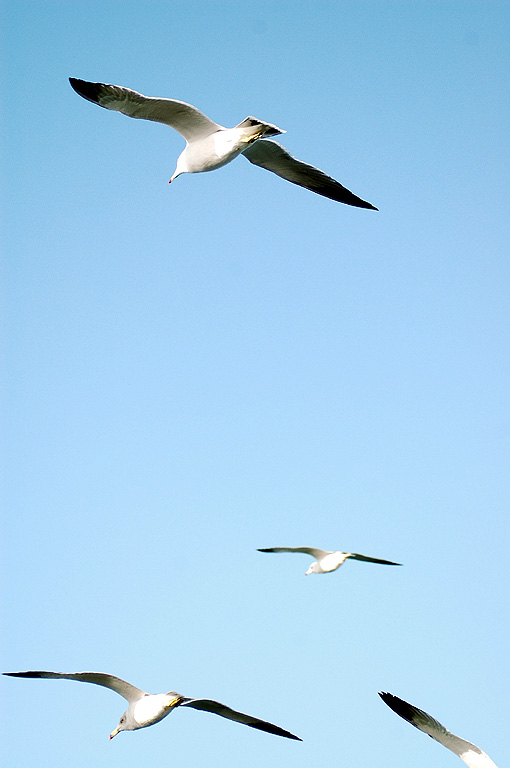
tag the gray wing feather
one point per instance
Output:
(470, 753)
(207, 705)
(273, 157)
(184, 118)
(317, 553)
(355, 556)
(128, 691)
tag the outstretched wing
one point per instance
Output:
(317, 553)
(184, 118)
(207, 705)
(355, 556)
(273, 157)
(470, 753)
(128, 691)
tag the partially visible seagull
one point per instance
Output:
(210, 145)
(327, 561)
(147, 708)
(470, 753)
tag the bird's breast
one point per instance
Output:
(151, 708)
(332, 561)
(212, 152)
(227, 144)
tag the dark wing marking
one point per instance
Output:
(470, 753)
(355, 556)
(207, 705)
(273, 157)
(317, 553)
(189, 121)
(128, 691)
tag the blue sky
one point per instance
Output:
(231, 362)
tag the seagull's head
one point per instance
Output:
(122, 726)
(128, 721)
(182, 167)
(314, 568)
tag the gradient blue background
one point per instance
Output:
(232, 362)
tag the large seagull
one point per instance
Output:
(210, 145)
(326, 561)
(148, 708)
(470, 753)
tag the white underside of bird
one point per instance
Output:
(210, 145)
(147, 708)
(221, 147)
(470, 753)
(328, 561)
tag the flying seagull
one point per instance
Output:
(209, 145)
(147, 708)
(470, 753)
(327, 561)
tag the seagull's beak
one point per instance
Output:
(114, 733)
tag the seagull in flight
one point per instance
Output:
(470, 753)
(210, 145)
(147, 708)
(327, 561)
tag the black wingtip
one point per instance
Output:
(399, 706)
(76, 84)
(89, 91)
(388, 698)
(349, 198)
(22, 674)
(274, 729)
(281, 732)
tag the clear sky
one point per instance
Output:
(232, 362)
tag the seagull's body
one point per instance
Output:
(147, 708)
(210, 145)
(470, 753)
(326, 561)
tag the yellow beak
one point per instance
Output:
(114, 733)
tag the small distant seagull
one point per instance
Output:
(470, 753)
(210, 145)
(327, 561)
(147, 708)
